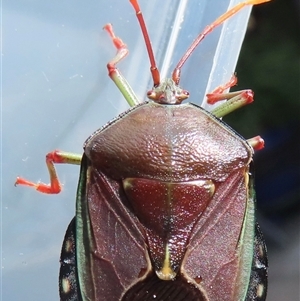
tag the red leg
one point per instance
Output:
(256, 142)
(52, 158)
(235, 100)
(113, 71)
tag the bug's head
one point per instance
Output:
(168, 92)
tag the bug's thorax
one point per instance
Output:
(169, 143)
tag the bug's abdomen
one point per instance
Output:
(152, 288)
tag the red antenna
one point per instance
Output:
(208, 29)
(153, 67)
(200, 37)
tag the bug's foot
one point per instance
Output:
(54, 188)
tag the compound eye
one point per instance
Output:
(183, 95)
(151, 95)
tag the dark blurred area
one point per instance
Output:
(269, 64)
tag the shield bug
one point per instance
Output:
(165, 206)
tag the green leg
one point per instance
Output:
(55, 157)
(235, 100)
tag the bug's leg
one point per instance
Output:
(256, 142)
(52, 158)
(216, 94)
(114, 72)
(235, 100)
